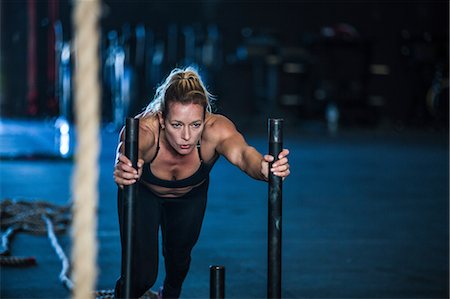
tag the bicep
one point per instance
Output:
(233, 147)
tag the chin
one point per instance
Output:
(185, 151)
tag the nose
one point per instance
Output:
(186, 134)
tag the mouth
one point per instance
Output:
(185, 146)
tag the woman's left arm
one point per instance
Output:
(232, 145)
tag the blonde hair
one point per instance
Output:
(181, 86)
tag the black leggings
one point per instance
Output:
(180, 220)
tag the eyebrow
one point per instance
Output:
(179, 121)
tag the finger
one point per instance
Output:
(280, 168)
(280, 162)
(268, 158)
(286, 174)
(118, 184)
(127, 182)
(283, 153)
(122, 167)
(140, 163)
(123, 181)
(124, 159)
(126, 174)
(282, 174)
(127, 168)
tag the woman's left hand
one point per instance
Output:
(279, 168)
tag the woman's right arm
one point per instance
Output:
(124, 172)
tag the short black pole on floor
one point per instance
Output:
(129, 208)
(216, 282)
(274, 220)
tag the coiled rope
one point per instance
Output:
(30, 217)
(40, 218)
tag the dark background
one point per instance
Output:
(365, 209)
(337, 49)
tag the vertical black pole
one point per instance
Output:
(216, 282)
(274, 220)
(129, 208)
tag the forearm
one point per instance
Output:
(251, 163)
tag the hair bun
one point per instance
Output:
(182, 85)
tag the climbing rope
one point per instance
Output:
(87, 115)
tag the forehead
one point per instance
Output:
(186, 112)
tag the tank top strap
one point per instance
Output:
(199, 143)
(199, 151)
(157, 145)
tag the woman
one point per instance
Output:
(180, 139)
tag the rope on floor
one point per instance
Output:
(27, 217)
(5, 240)
(63, 276)
(38, 218)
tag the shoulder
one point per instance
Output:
(220, 130)
(148, 132)
(219, 126)
(225, 137)
(149, 125)
(219, 123)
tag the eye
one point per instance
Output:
(176, 125)
(197, 125)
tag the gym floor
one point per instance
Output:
(365, 215)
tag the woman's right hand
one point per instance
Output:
(125, 173)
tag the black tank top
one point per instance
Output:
(195, 179)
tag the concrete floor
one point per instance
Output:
(365, 215)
